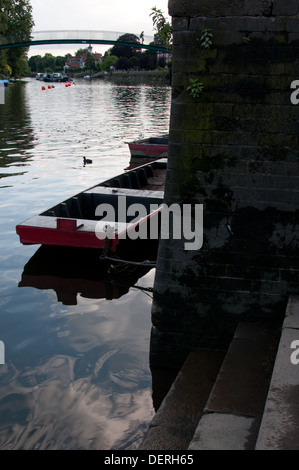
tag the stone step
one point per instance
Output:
(234, 409)
(279, 429)
(244, 399)
(174, 424)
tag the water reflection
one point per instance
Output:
(16, 136)
(60, 404)
(74, 271)
(81, 385)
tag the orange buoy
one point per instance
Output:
(49, 87)
(43, 87)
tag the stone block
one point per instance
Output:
(283, 8)
(219, 431)
(217, 8)
(280, 425)
(179, 24)
(243, 381)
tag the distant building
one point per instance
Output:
(164, 55)
(74, 62)
(79, 62)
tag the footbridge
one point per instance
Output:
(39, 38)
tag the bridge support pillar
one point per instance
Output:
(233, 147)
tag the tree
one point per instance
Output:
(108, 62)
(21, 68)
(162, 62)
(49, 62)
(81, 52)
(90, 62)
(134, 61)
(148, 61)
(33, 62)
(59, 62)
(3, 16)
(123, 63)
(16, 23)
(126, 51)
(163, 27)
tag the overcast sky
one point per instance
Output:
(131, 16)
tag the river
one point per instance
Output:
(76, 372)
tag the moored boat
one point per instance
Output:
(149, 149)
(101, 216)
(56, 77)
(5, 82)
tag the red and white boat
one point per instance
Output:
(74, 222)
(148, 149)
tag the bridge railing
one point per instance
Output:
(68, 35)
(86, 34)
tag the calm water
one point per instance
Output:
(76, 333)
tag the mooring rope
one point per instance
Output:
(147, 263)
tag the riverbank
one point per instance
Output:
(152, 77)
(130, 77)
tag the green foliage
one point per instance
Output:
(108, 62)
(47, 63)
(126, 51)
(16, 23)
(90, 63)
(195, 88)
(81, 51)
(206, 38)
(123, 63)
(21, 68)
(128, 58)
(162, 26)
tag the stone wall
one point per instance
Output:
(234, 149)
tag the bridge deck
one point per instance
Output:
(77, 37)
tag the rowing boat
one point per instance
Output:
(103, 215)
(149, 149)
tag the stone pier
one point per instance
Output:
(233, 147)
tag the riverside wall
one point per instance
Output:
(234, 149)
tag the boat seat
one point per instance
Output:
(64, 210)
(142, 178)
(149, 171)
(134, 180)
(76, 208)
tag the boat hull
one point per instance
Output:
(146, 150)
(83, 221)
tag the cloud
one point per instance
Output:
(116, 15)
(132, 16)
